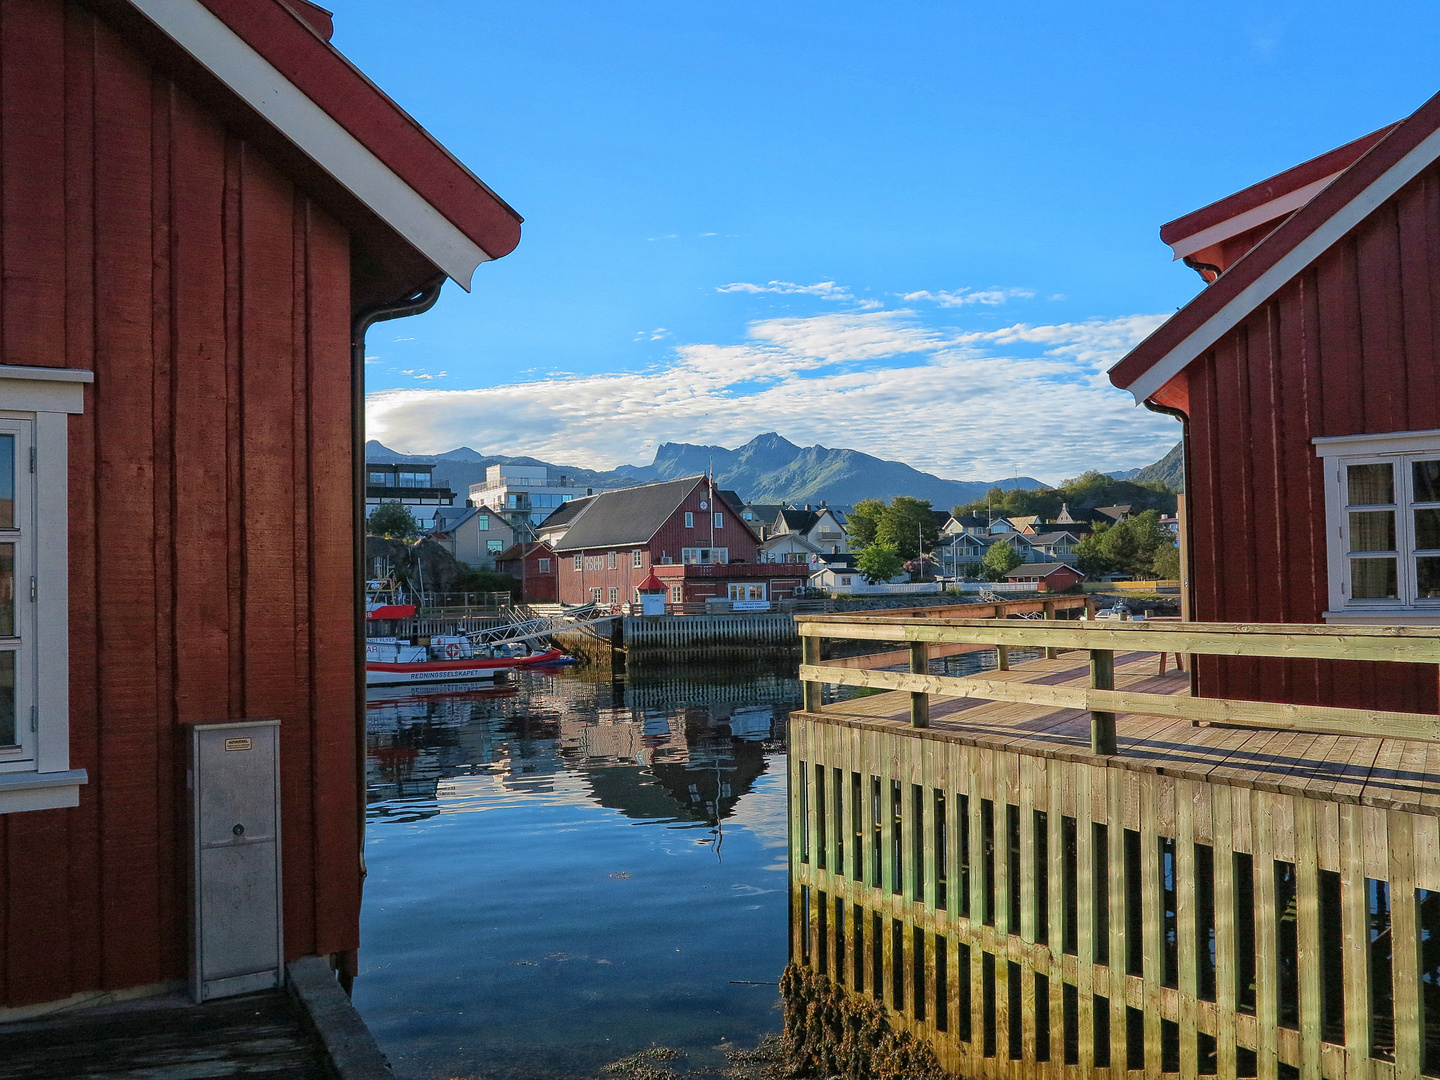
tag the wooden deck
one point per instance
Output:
(1399, 774)
(167, 1039)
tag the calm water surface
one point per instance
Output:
(570, 869)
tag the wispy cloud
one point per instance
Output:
(960, 402)
(961, 297)
(826, 289)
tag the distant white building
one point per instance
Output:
(524, 493)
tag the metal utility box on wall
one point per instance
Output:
(234, 778)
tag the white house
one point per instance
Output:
(822, 526)
(789, 548)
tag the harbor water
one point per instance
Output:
(569, 869)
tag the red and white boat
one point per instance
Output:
(401, 661)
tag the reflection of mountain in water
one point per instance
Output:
(680, 749)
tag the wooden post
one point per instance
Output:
(1002, 657)
(1102, 724)
(810, 654)
(919, 700)
(1049, 609)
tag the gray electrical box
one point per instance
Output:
(235, 798)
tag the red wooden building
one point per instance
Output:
(533, 566)
(1306, 376)
(203, 205)
(690, 532)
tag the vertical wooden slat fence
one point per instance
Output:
(1290, 841)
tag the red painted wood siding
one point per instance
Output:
(667, 542)
(209, 497)
(1347, 347)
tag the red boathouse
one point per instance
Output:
(1306, 376)
(203, 206)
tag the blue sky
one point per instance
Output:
(922, 230)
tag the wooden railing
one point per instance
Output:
(1396, 644)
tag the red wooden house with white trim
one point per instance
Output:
(1308, 380)
(202, 207)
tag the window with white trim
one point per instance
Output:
(636, 558)
(35, 405)
(689, 520)
(611, 560)
(544, 566)
(1382, 498)
(579, 563)
(677, 594)
(595, 594)
(719, 521)
(614, 594)
(494, 547)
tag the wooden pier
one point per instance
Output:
(1235, 889)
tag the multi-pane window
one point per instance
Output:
(414, 480)
(636, 558)
(1384, 523)
(677, 594)
(16, 559)
(494, 547)
(694, 556)
(544, 566)
(611, 560)
(482, 522)
(614, 594)
(35, 771)
(579, 563)
(595, 594)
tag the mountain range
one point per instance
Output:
(767, 469)
(771, 469)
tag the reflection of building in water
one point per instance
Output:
(1033, 908)
(669, 760)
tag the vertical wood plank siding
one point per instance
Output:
(209, 497)
(1347, 347)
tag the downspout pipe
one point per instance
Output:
(416, 304)
(1166, 410)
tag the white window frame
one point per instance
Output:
(579, 564)
(614, 594)
(611, 560)
(689, 519)
(595, 593)
(719, 520)
(482, 522)
(39, 402)
(677, 594)
(494, 547)
(544, 566)
(1398, 449)
(637, 559)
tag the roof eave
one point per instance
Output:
(1382, 171)
(455, 248)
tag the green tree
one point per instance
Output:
(394, 520)
(1129, 547)
(998, 561)
(879, 562)
(905, 524)
(1167, 563)
(864, 521)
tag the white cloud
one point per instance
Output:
(961, 403)
(961, 297)
(827, 289)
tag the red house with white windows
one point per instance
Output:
(689, 532)
(203, 207)
(1307, 377)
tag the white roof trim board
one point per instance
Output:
(259, 84)
(1293, 262)
(1240, 223)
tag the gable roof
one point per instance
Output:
(765, 513)
(1052, 537)
(524, 549)
(566, 513)
(1037, 570)
(627, 516)
(1393, 161)
(332, 122)
(788, 538)
(797, 520)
